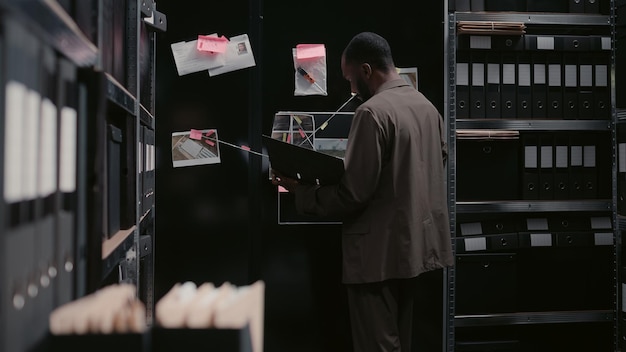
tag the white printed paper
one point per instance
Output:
(189, 59)
(238, 56)
(475, 244)
(30, 144)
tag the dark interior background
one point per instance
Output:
(217, 223)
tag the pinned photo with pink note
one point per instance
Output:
(195, 147)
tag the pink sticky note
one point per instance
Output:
(289, 138)
(212, 44)
(195, 134)
(210, 132)
(211, 143)
(309, 51)
(282, 189)
(244, 147)
(301, 133)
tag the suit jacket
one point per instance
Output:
(392, 198)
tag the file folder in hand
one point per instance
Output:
(303, 164)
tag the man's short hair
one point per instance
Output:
(370, 48)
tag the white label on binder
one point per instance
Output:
(530, 157)
(554, 75)
(539, 74)
(537, 224)
(30, 144)
(577, 155)
(545, 43)
(462, 74)
(478, 75)
(589, 159)
(471, 228)
(540, 240)
(586, 75)
(561, 156)
(508, 73)
(493, 73)
(546, 157)
(606, 43)
(67, 150)
(151, 161)
(602, 76)
(524, 74)
(475, 244)
(480, 42)
(621, 154)
(601, 222)
(140, 156)
(603, 239)
(48, 150)
(570, 76)
(189, 146)
(14, 108)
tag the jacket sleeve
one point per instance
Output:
(363, 163)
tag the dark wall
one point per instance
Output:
(218, 222)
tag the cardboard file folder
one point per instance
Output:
(492, 91)
(508, 101)
(561, 167)
(524, 99)
(546, 172)
(601, 90)
(462, 85)
(570, 86)
(530, 181)
(305, 165)
(585, 95)
(539, 85)
(555, 87)
(477, 85)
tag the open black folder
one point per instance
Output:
(305, 165)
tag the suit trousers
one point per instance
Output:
(381, 315)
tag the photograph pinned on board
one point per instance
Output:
(195, 147)
(238, 55)
(409, 74)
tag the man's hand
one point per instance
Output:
(279, 179)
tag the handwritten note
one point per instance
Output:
(309, 51)
(212, 43)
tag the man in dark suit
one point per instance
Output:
(392, 197)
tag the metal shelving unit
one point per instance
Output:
(605, 206)
(58, 241)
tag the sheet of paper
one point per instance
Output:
(238, 56)
(189, 60)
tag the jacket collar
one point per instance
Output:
(391, 84)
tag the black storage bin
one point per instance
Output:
(564, 278)
(488, 169)
(486, 283)
(505, 5)
(114, 144)
(488, 346)
(561, 6)
(235, 340)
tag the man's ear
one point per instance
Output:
(366, 69)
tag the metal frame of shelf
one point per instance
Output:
(523, 206)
